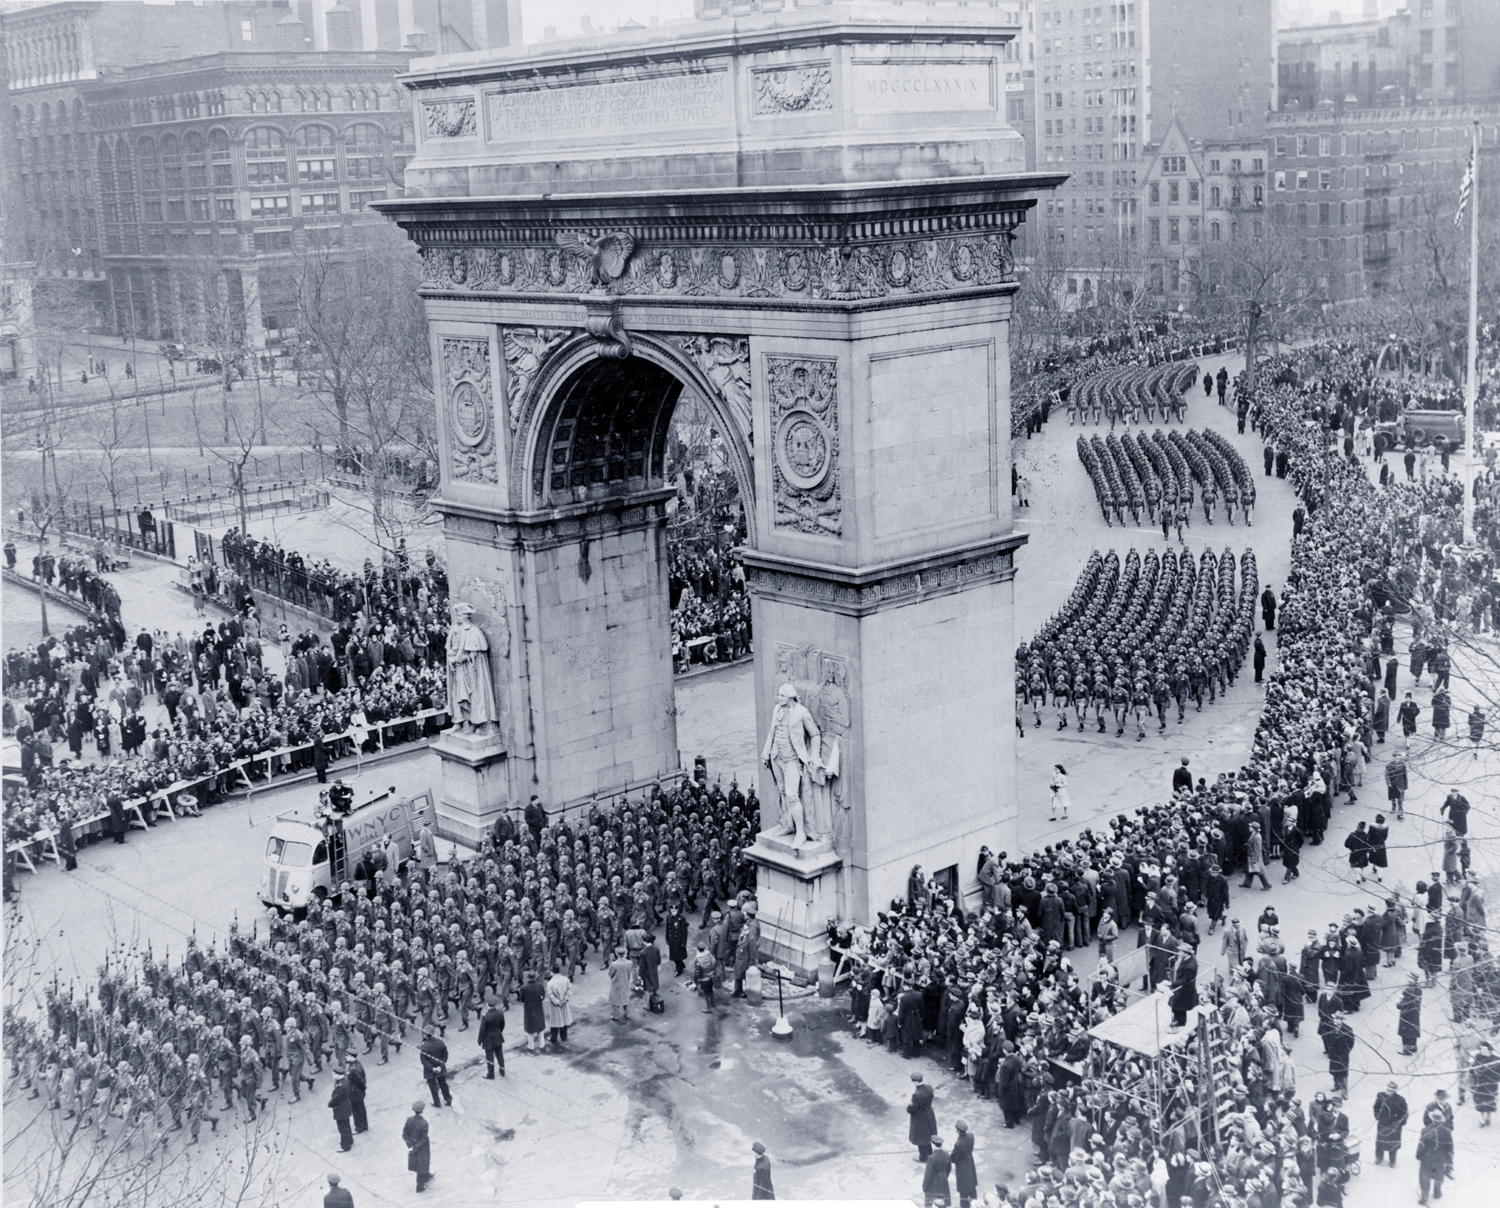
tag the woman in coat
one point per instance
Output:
(1430, 951)
(1409, 1009)
(1354, 986)
(1059, 786)
(533, 1012)
(555, 1006)
(1484, 1077)
(1012, 1083)
(1442, 712)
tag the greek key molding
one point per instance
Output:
(805, 444)
(450, 119)
(858, 593)
(471, 427)
(804, 88)
(726, 268)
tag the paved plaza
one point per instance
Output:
(630, 1110)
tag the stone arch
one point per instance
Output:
(579, 396)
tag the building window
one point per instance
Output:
(1173, 196)
(190, 105)
(1192, 230)
(359, 202)
(200, 209)
(320, 203)
(1302, 179)
(1153, 231)
(1192, 190)
(263, 209)
(224, 209)
(1153, 193)
(1213, 232)
(1325, 178)
(153, 211)
(218, 154)
(197, 161)
(273, 241)
(265, 156)
(1325, 213)
(247, 30)
(177, 209)
(1174, 229)
(1214, 196)
(1325, 144)
(315, 155)
(1301, 146)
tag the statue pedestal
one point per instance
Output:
(798, 892)
(475, 785)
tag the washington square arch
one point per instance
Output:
(806, 220)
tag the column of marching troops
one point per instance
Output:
(412, 946)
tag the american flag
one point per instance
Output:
(1466, 188)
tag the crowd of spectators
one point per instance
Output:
(220, 705)
(710, 607)
(993, 993)
(321, 587)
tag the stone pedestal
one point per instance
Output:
(475, 785)
(798, 892)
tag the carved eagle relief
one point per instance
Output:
(604, 257)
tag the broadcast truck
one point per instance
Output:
(309, 854)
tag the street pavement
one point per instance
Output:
(675, 1100)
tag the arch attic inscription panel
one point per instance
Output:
(806, 220)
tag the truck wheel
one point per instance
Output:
(1418, 434)
(321, 893)
(1440, 443)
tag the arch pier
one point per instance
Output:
(806, 221)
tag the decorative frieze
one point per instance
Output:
(725, 362)
(805, 442)
(450, 119)
(805, 88)
(471, 430)
(632, 266)
(526, 350)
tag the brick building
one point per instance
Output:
(1430, 52)
(176, 156)
(1359, 186)
(1112, 80)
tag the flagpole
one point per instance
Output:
(1471, 384)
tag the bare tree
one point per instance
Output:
(1042, 316)
(364, 359)
(1262, 275)
(237, 455)
(115, 437)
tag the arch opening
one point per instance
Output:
(604, 432)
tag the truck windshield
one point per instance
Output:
(288, 852)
